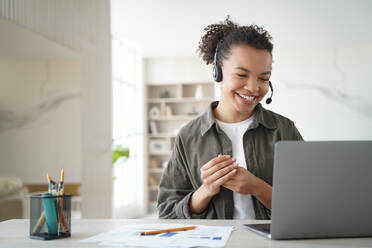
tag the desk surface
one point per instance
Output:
(14, 233)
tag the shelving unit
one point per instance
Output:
(169, 107)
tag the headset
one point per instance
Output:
(217, 71)
(217, 76)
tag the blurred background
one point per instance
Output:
(101, 88)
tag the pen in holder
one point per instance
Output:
(50, 216)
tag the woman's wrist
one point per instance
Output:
(263, 193)
(259, 188)
(200, 200)
(206, 192)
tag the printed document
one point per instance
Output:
(129, 235)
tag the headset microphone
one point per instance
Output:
(270, 99)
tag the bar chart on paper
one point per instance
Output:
(129, 235)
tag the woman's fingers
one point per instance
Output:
(214, 161)
(219, 166)
(220, 181)
(229, 183)
(220, 173)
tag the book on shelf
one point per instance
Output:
(153, 128)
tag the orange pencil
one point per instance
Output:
(169, 230)
(61, 218)
(49, 186)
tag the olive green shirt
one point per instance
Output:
(200, 141)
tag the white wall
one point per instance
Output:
(175, 69)
(173, 28)
(40, 119)
(84, 27)
(324, 90)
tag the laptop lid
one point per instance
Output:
(322, 189)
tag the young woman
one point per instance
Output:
(222, 163)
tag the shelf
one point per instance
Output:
(162, 135)
(154, 188)
(156, 170)
(180, 100)
(174, 118)
(174, 103)
(161, 153)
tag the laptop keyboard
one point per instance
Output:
(260, 227)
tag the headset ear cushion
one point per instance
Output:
(217, 73)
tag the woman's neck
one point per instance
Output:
(226, 112)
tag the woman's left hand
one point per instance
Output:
(244, 182)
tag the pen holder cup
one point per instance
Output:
(50, 216)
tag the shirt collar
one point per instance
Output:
(262, 116)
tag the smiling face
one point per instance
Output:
(246, 72)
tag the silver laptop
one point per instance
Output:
(320, 190)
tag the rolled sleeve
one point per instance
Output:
(185, 209)
(175, 189)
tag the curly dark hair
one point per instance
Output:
(227, 33)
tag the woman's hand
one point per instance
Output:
(216, 172)
(243, 182)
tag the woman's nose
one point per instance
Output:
(251, 85)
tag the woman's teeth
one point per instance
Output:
(248, 98)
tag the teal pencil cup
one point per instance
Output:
(50, 216)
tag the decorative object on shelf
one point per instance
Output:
(168, 111)
(154, 112)
(199, 92)
(164, 164)
(193, 112)
(153, 181)
(152, 127)
(164, 94)
(158, 146)
(154, 163)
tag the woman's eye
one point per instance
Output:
(241, 75)
(264, 79)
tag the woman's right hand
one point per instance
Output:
(216, 172)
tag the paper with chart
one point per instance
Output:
(128, 235)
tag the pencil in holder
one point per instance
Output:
(50, 216)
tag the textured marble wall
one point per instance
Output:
(325, 90)
(40, 119)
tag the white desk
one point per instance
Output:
(14, 233)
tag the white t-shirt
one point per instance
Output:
(243, 205)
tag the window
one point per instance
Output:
(127, 129)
